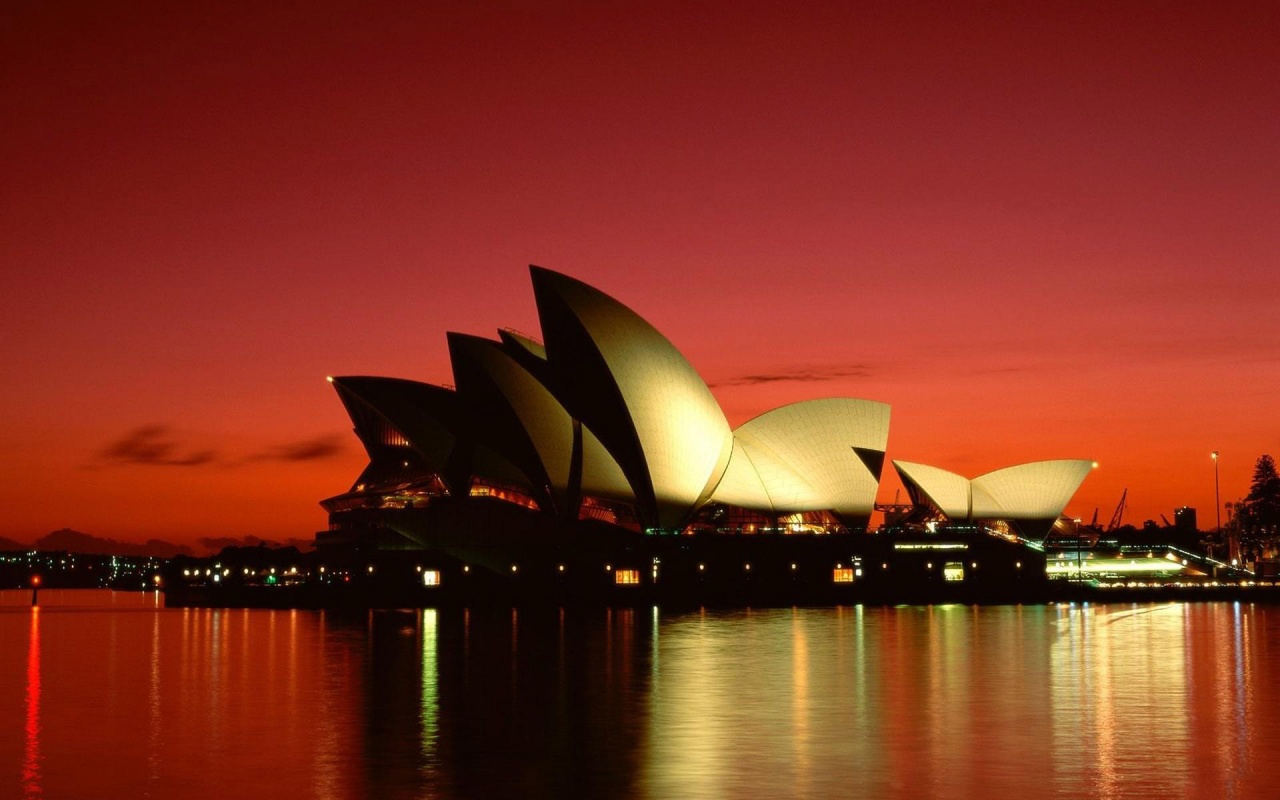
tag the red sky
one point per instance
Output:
(1037, 230)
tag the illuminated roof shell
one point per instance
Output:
(741, 485)
(539, 434)
(806, 456)
(1038, 490)
(520, 417)
(601, 475)
(947, 491)
(1034, 491)
(632, 388)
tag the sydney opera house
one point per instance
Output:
(600, 449)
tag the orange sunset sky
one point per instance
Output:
(1037, 230)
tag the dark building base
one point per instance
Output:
(521, 558)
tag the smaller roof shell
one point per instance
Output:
(1034, 491)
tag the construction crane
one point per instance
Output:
(1167, 523)
(1119, 515)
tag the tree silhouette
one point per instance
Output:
(1259, 513)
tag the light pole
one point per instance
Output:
(1217, 502)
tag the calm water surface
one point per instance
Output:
(110, 695)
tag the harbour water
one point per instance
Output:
(110, 695)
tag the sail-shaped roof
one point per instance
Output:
(634, 390)
(1035, 491)
(826, 447)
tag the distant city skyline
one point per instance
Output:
(1036, 233)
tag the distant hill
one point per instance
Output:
(77, 542)
(216, 545)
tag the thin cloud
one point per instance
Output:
(303, 450)
(158, 446)
(154, 445)
(807, 375)
(1012, 370)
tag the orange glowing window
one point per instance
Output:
(842, 575)
(626, 577)
(431, 577)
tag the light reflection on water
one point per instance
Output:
(108, 695)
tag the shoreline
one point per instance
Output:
(325, 598)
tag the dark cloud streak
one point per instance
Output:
(303, 450)
(154, 445)
(157, 446)
(808, 375)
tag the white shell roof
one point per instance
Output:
(947, 490)
(549, 426)
(741, 485)
(683, 435)
(804, 453)
(601, 475)
(1038, 490)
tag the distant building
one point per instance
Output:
(1184, 519)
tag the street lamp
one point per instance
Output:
(1217, 501)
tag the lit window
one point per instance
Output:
(953, 571)
(843, 575)
(431, 577)
(626, 576)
